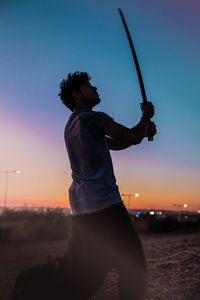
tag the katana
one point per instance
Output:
(144, 97)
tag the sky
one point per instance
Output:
(42, 41)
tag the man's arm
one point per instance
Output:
(121, 137)
(115, 145)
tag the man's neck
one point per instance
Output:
(82, 108)
(78, 110)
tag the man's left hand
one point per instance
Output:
(152, 129)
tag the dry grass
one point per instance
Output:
(26, 226)
(173, 262)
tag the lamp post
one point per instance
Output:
(5, 197)
(129, 198)
(6, 183)
(179, 209)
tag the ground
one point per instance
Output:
(173, 262)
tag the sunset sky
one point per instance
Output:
(42, 41)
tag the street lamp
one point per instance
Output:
(5, 195)
(179, 209)
(129, 197)
(6, 183)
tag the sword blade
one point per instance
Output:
(134, 57)
(144, 97)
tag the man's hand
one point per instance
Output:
(151, 130)
(147, 109)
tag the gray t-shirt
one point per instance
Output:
(94, 185)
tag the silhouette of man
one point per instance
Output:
(102, 234)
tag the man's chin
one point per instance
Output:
(97, 101)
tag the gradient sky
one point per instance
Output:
(42, 41)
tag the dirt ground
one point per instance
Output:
(173, 262)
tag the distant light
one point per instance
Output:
(186, 217)
(136, 195)
(185, 205)
(17, 171)
(152, 212)
(159, 213)
(198, 211)
(137, 216)
(138, 212)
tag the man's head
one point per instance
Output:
(76, 92)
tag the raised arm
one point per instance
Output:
(121, 137)
(115, 145)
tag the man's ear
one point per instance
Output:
(76, 95)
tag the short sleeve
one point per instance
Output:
(94, 122)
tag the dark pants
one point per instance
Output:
(99, 242)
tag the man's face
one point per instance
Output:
(89, 94)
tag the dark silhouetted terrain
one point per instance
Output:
(173, 262)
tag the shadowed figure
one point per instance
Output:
(102, 235)
(105, 240)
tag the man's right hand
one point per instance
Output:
(147, 109)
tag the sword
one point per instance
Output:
(144, 97)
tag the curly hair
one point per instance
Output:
(70, 84)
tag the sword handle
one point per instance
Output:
(150, 138)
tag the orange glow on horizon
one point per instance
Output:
(45, 176)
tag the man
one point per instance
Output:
(102, 234)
